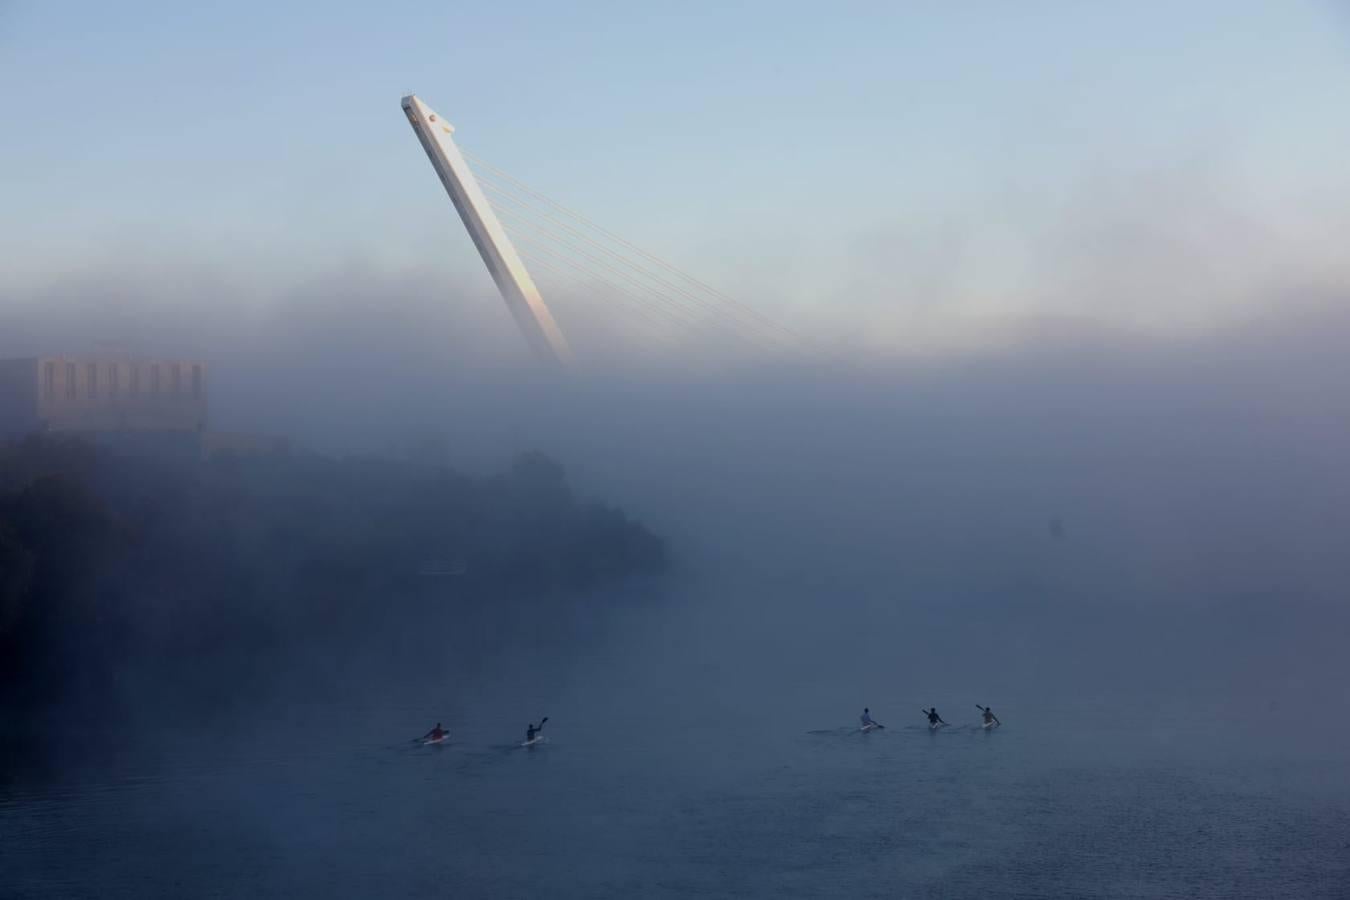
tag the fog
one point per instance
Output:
(1089, 528)
(1042, 406)
(1069, 463)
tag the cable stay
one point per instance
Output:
(536, 235)
(558, 263)
(673, 334)
(552, 221)
(670, 267)
(515, 217)
(569, 288)
(564, 233)
(666, 341)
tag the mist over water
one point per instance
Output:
(707, 746)
(1132, 550)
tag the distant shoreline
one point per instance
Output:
(111, 560)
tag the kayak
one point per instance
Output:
(867, 728)
(533, 741)
(989, 725)
(439, 740)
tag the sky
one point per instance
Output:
(892, 177)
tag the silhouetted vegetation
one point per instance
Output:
(102, 556)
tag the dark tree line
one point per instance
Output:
(104, 555)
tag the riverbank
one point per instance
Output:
(205, 574)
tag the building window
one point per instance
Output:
(177, 378)
(196, 381)
(49, 380)
(154, 378)
(135, 380)
(91, 380)
(70, 381)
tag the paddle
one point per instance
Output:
(530, 740)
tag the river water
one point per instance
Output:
(704, 744)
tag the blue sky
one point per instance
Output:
(903, 166)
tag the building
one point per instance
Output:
(104, 396)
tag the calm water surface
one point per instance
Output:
(698, 752)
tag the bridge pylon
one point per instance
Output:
(499, 254)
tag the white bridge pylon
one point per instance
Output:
(503, 262)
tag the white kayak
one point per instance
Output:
(530, 743)
(439, 740)
(989, 725)
(870, 727)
